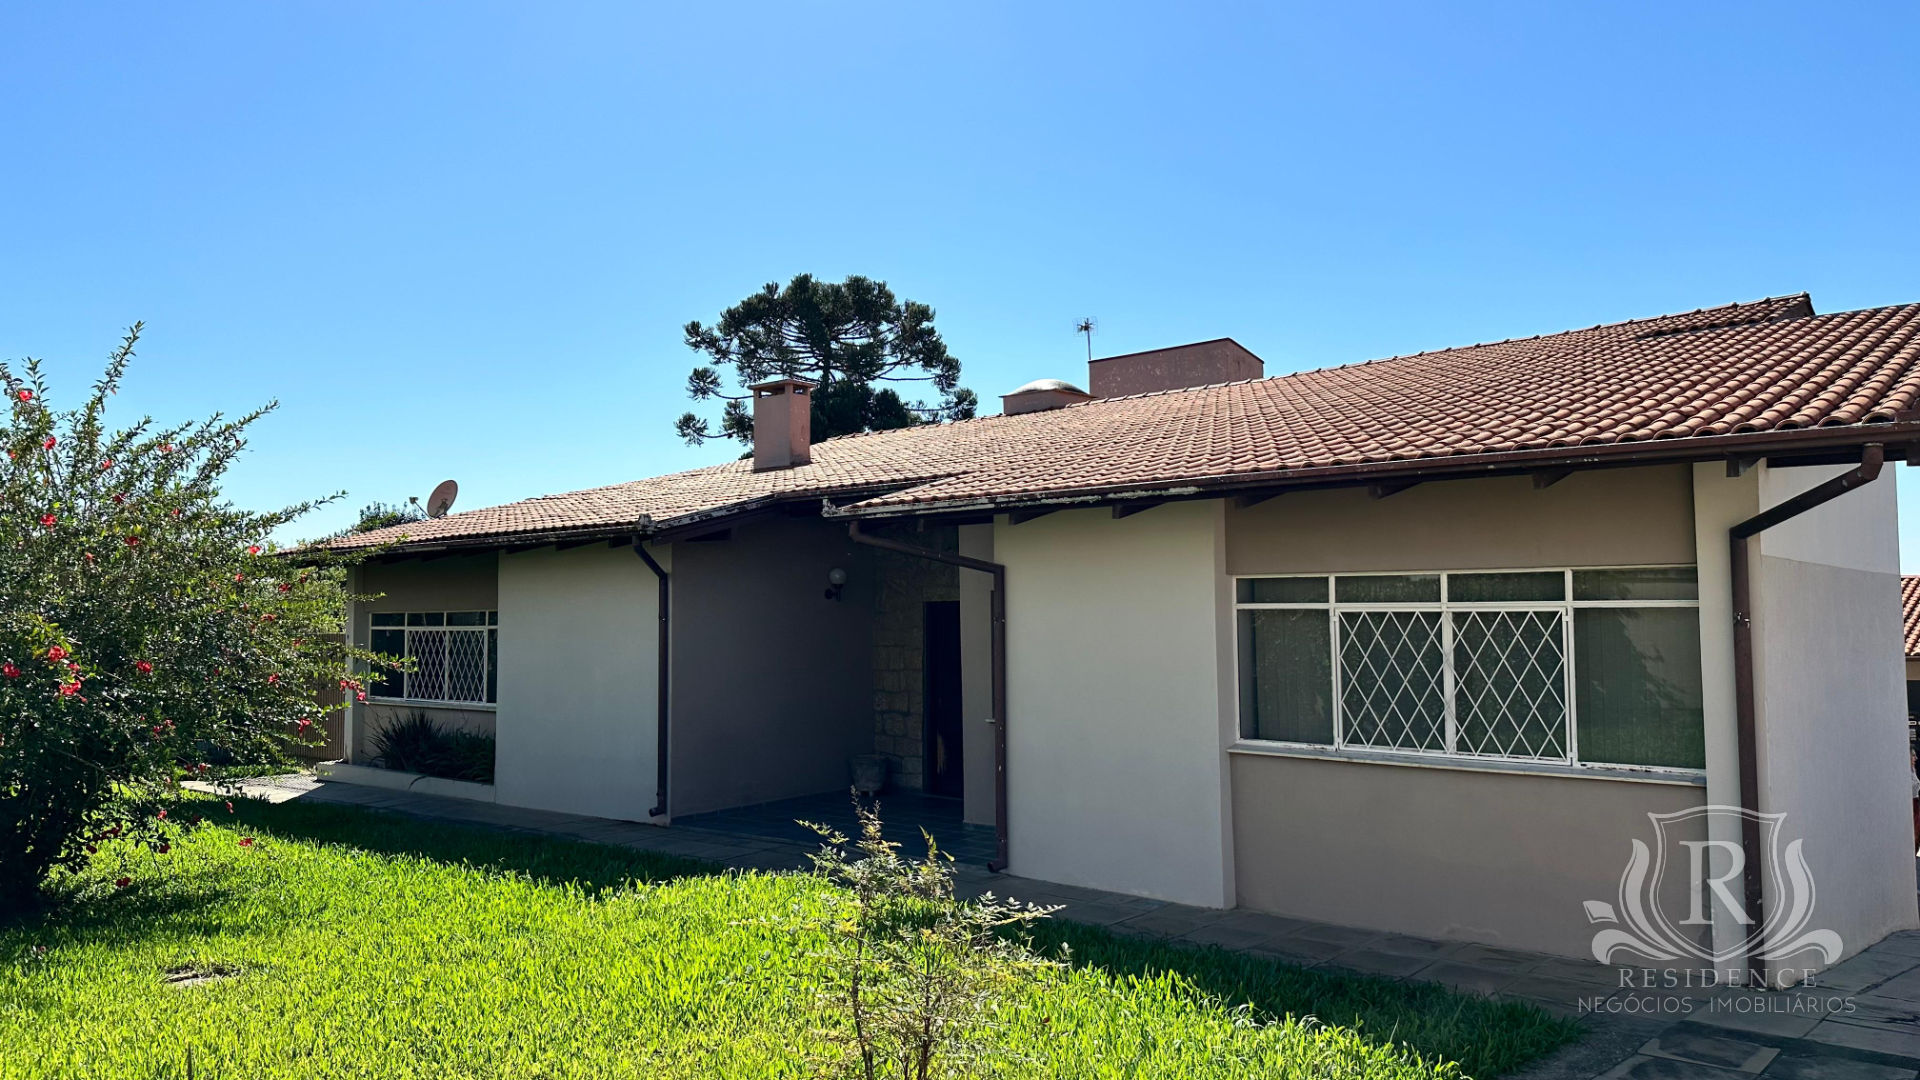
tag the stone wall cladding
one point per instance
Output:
(906, 585)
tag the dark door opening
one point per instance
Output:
(940, 760)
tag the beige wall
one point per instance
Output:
(455, 583)
(1608, 517)
(1496, 858)
(1831, 695)
(1116, 765)
(575, 727)
(772, 682)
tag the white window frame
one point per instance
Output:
(1565, 607)
(487, 649)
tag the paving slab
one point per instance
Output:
(1793, 1065)
(1721, 1051)
(1880, 1040)
(1366, 960)
(1641, 1067)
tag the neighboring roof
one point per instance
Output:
(1910, 612)
(1763, 377)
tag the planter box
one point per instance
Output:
(394, 780)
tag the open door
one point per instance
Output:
(941, 758)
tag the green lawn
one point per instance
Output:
(366, 945)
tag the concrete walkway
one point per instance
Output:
(1862, 1022)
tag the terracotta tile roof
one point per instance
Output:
(1705, 378)
(1910, 608)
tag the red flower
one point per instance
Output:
(304, 725)
(68, 689)
(123, 883)
(26, 395)
(163, 848)
(133, 541)
(48, 445)
(253, 549)
(9, 670)
(162, 815)
(119, 498)
(56, 654)
(360, 695)
(166, 448)
(107, 464)
(49, 520)
(87, 555)
(229, 807)
(284, 587)
(271, 679)
(246, 841)
(143, 667)
(202, 767)
(239, 577)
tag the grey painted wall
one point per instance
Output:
(772, 683)
(1449, 853)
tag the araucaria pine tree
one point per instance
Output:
(145, 626)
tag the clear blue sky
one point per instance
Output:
(461, 239)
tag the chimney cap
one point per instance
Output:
(784, 380)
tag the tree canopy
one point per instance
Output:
(853, 338)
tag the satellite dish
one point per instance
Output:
(441, 500)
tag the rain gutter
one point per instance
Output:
(661, 723)
(1872, 456)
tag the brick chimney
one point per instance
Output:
(782, 424)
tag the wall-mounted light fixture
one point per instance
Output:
(836, 580)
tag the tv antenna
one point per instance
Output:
(1086, 326)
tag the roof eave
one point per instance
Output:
(1900, 433)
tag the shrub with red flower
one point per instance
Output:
(146, 605)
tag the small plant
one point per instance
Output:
(915, 974)
(415, 743)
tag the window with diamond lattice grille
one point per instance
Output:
(453, 655)
(1508, 665)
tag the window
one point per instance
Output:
(455, 655)
(1575, 667)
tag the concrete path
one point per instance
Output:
(1862, 1022)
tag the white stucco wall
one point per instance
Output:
(578, 656)
(1831, 696)
(1117, 765)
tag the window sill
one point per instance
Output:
(426, 703)
(1677, 777)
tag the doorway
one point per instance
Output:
(941, 756)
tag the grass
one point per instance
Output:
(344, 943)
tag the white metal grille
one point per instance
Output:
(1510, 684)
(453, 655)
(1391, 679)
(428, 679)
(466, 665)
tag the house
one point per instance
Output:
(1417, 644)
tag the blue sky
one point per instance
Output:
(461, 239)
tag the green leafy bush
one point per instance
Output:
(143, 623)
(918, 979)
(415, 743)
